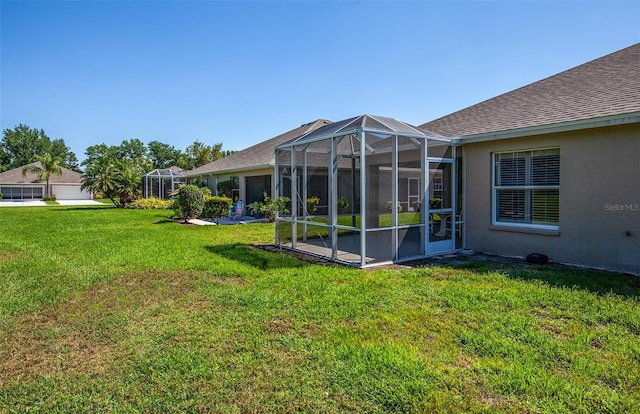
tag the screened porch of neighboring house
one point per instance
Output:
(358, 189)
(162, 181)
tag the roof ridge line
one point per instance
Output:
(313, 123)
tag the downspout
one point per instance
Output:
(275, 190)
(464, 197)
(294, 200)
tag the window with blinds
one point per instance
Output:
(526, 187)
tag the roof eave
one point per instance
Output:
(9, 183)
(230, 170)
(611, 120)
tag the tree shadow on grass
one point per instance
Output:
(256, 257)
(164, 220)
(92, 208)
(561, 276)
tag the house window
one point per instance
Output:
(437, 187)
(526, 188)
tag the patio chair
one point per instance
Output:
(434, 218)
(237, 211)
(446, 225)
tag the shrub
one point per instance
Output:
(216, 207)
(51, 197)
(272, 206)
(150, 203)
(390, 203)
(177, 210)
(206, 191)
(256, 208)
(225, 188)
(343, 203)
(435, 203)
(0, 196)
(312, 204)
(191, 201)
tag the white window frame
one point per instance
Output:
(495, 188)
(437, 187)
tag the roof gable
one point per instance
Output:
(15, 176)
(603, 87)
(259, 155)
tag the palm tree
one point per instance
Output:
(130, 180)
(100, 177)
(48, 165)
(115, 179)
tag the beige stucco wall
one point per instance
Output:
(599, 199)
(212, 179)
(253, 173)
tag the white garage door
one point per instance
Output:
(70, 192)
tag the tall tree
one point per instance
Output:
(216, 151)
(226, 153)
(132, 149)
(48, 165)
(163, 155)
(135, 150)
(67, 158)
(198, 154)
(20, 145)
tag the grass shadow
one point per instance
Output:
(165, 221)
(78, 208)
(561, 276)
(256, 257)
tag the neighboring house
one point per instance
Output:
(16, 186)
(554, 167)
(252, 168)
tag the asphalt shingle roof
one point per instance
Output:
(259, 155)
(15, 176)
(606, 86)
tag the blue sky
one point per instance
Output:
(240, 72)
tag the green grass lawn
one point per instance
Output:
(107, 310)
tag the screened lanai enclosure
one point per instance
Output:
(160, 182)
(368, 190)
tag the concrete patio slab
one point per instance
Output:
(40, 203)
(202, 222)
(22, 203)
(242, 220)
(227, 221)
(79, 203)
